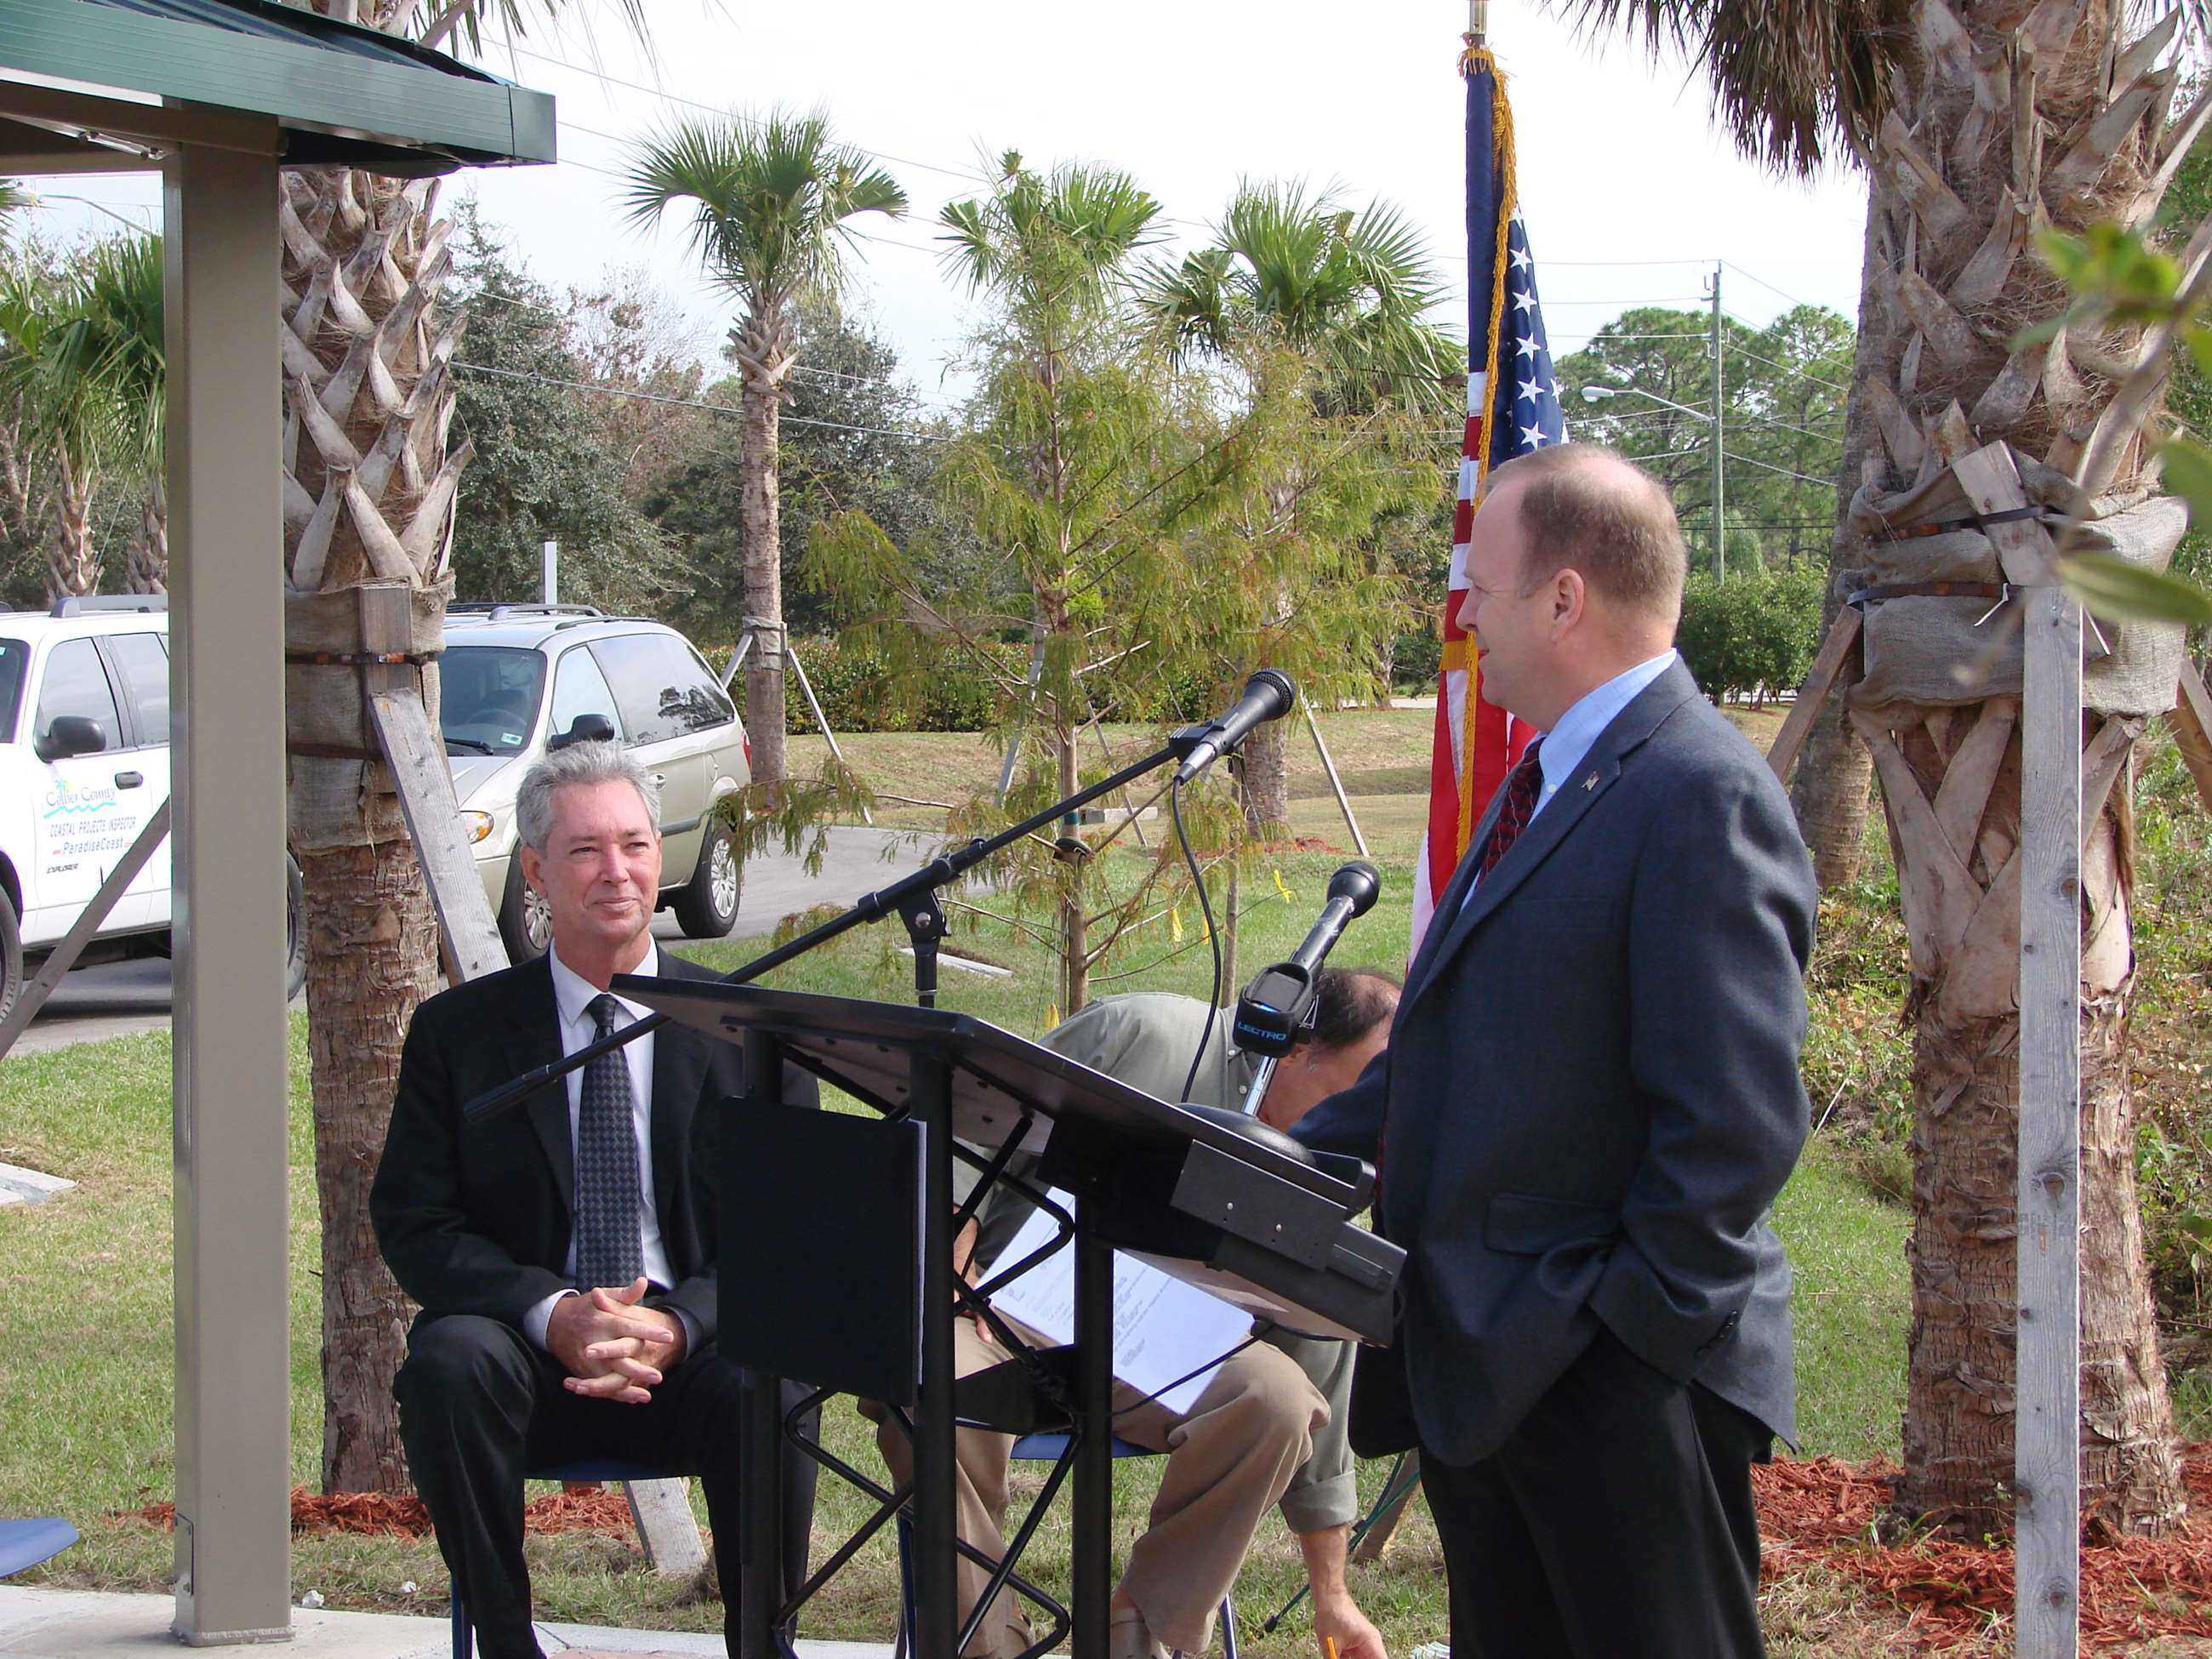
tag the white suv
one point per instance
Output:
(517, 680)
(84, 762)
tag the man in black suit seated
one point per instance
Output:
(564, 1252)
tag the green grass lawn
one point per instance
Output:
(88, 1371)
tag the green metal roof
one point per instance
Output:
(342, 94)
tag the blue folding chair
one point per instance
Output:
(24, 1544)
(584, 1470)
(1046, 1448)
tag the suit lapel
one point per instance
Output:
(534, 1034)
(1592, 777)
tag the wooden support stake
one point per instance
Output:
(1384, 1526)
(2047, 1383)
(1782, 754)
(2047, 1373)
(2192, 730)
(820, 719)
(33, 997)
(1327, 765)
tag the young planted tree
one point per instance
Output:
(773, 201)
(1080, 467)
(1318, 312)
(1980, 123)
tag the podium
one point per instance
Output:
(836, 1259)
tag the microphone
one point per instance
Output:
(1279, 1006)
(1268, 695)
(1352, 894)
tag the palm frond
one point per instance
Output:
(772, 199)
(1792, 79)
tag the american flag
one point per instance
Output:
(1512, 407)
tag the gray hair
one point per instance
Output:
(579, 763)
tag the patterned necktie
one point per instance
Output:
(1522, 786)
(608, 1251)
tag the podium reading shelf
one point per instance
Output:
(837, 1255)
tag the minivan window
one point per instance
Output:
(579, 688)
(663, 690)
(488, 698)
(143, 666)
(75, 683)
(15, 663)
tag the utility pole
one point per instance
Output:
(1720, 393)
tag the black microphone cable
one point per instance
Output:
(1212, 935)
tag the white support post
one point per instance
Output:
(227, 745)
(2046, 1524)
(549, 577)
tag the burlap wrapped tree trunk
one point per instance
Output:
(2008, 119)
(368, 493)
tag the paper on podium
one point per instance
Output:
(1163, 1328)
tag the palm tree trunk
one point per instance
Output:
(73, 563)
(2004, 122)
(149, 571)
(369, 486)
(765, 367)
(1833, 788)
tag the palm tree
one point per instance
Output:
(772, 202)
(1299, 287)
(63, 414)
(113, 343)
(368, 488)
(1979, 121)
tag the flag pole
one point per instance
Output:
(1478, 22)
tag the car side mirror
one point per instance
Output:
(585, 728)
(69, 735)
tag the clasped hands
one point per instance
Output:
(612, 1347)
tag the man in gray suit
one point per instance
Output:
(1589, 1100)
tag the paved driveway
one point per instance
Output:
(121, 997)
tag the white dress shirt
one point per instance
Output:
(1574, 733)
(572, 997)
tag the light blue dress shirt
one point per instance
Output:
(1570, 739)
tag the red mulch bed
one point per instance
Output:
(1824, 1512)
(573, 1509)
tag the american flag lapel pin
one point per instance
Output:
(1589, 783)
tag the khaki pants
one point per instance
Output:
(1229, 1458)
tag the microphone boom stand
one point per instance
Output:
(912, 898)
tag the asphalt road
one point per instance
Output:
(122, 997)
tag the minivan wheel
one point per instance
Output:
(525, 922)
(295, 929)
(706, 907)
(11, 956)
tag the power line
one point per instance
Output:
(1770, 287)
(1825, 483)
(689, 403)
(970, 175)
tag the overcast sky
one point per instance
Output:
(1629, 193)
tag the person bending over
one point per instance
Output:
(1268, 1429)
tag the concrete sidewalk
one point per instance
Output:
(61, 1623)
